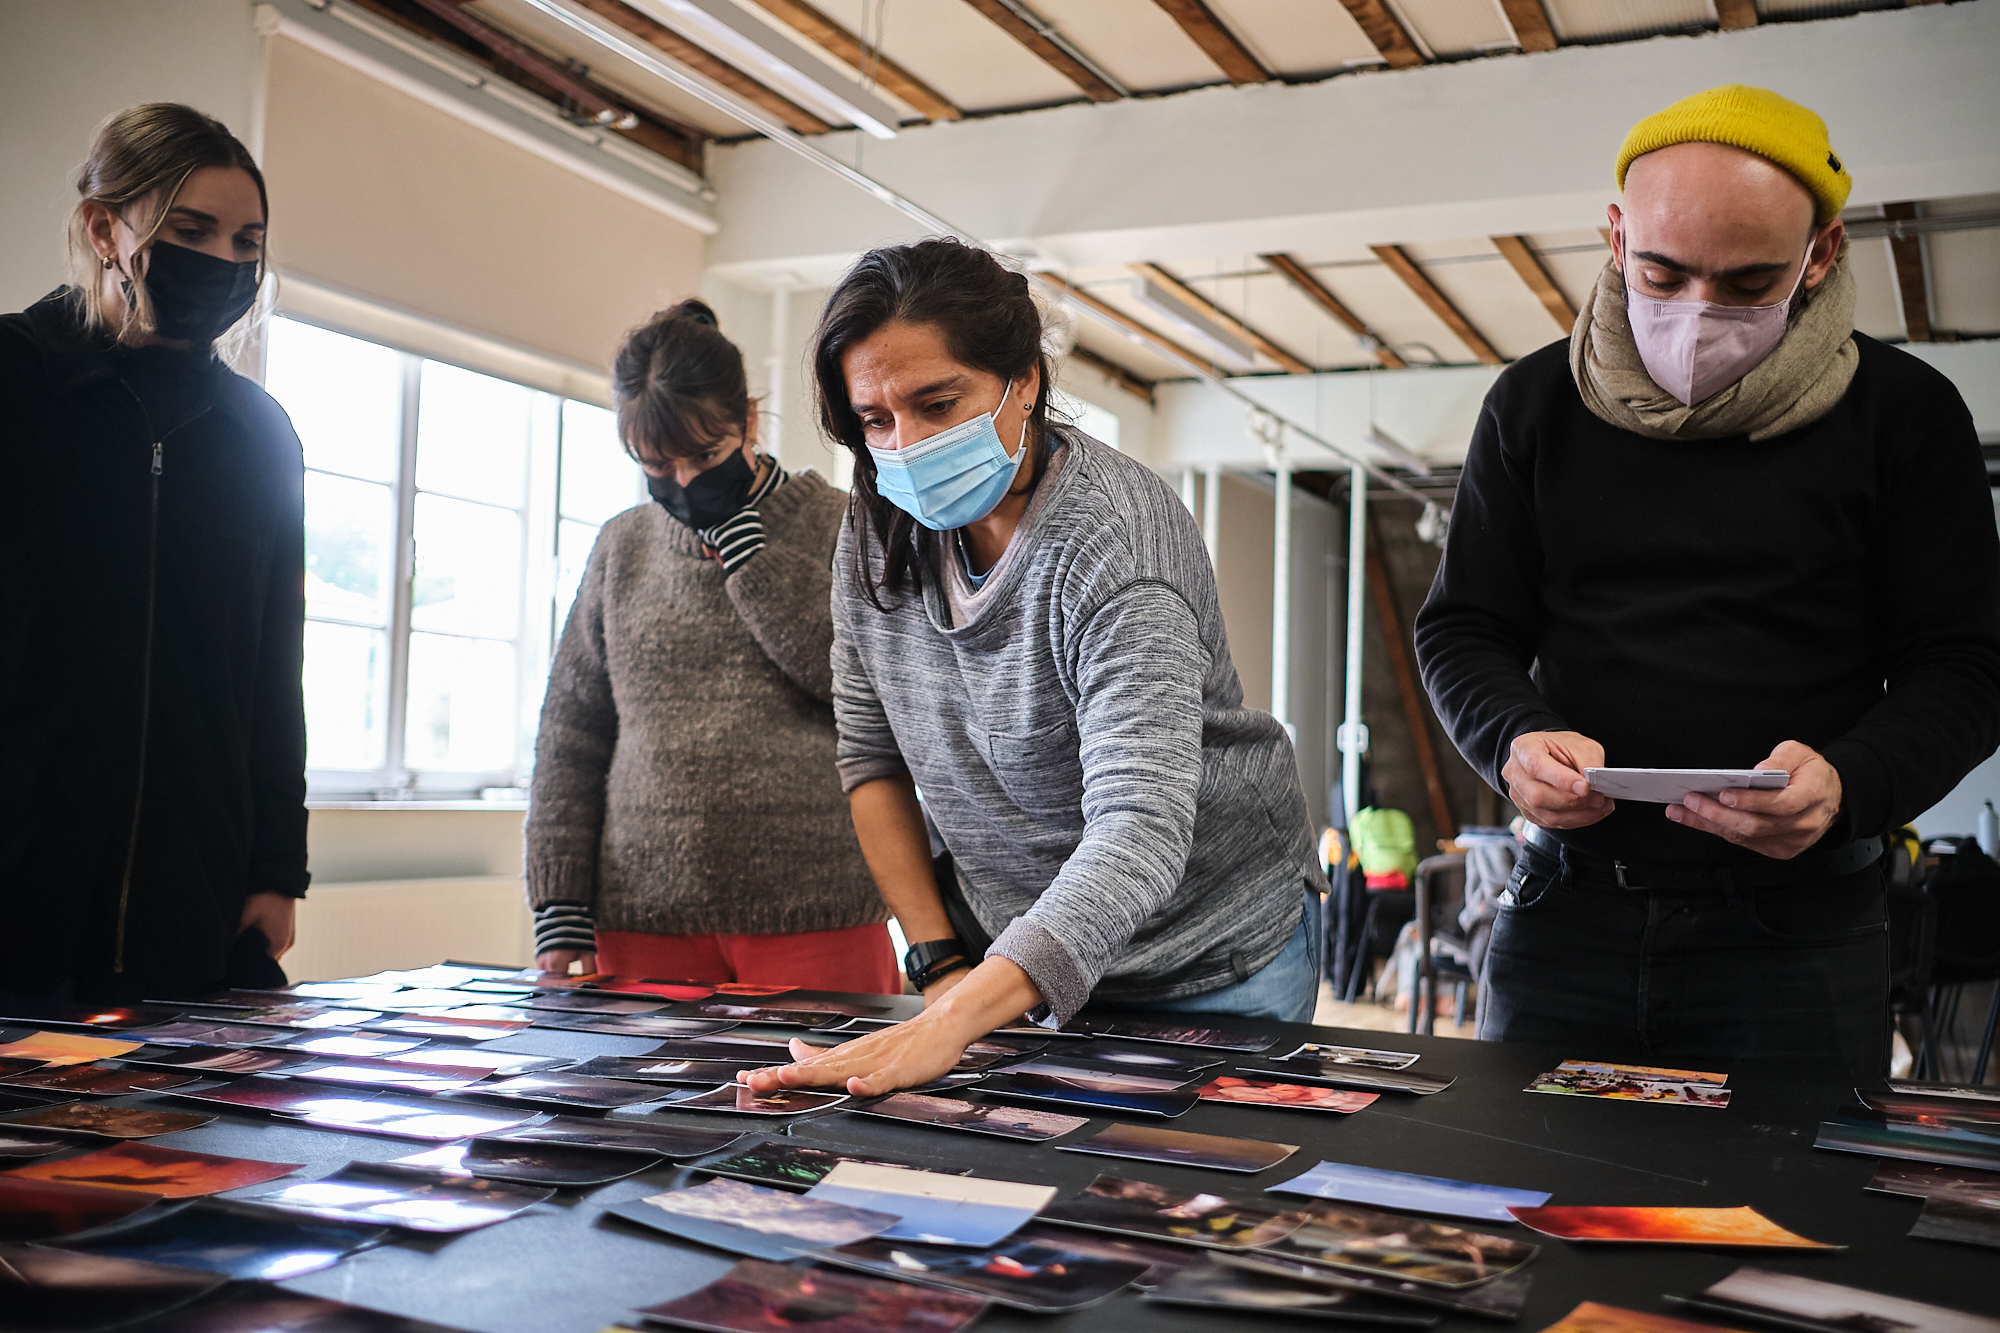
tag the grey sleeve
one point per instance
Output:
(1140, 666)
(579, 731)
(783, 595)
(867, 748)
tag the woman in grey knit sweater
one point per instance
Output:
(686, 818)
(1026, 630)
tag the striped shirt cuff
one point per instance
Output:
(563, 925)
(736, 539)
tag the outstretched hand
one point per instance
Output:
(1778, 824)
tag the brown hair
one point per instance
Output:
(138, 162)
(989, 321)
(678, 385)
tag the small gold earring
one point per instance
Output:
(107, 261)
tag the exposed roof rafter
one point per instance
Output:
(705, 63)
(1379, 26)
(1216, 41)
(1529, 266)
(844, 46)
(1313, 290)
(1132, 327)
(1530, 23)
(1135, 384)
(1200, 304)
(1912, 279)
(1414, 278)
(1042, 40)
(1736, 13)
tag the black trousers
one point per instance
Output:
(1705, 979)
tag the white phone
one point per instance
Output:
(1670, 786)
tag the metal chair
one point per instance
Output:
(1440, 893)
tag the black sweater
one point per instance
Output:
(212, 698)
(1692, 604)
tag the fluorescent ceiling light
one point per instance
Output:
(759, 49)
(1225, 347)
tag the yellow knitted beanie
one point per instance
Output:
(1758, 121)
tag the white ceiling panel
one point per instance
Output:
(843, 73)
(1609, 20)
(1965, 281)
(1134, 354)
(1297, 39)
(952, 47)
(1878, 308)
(1135, 41)
(1494, 300)
(1456, 27)
(1120, 297)
(1267, 302)
(1381, 300)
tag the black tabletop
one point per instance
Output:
(564, 1267)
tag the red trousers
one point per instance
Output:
(858, 959)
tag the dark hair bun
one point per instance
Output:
(679, 385)
(694, 310)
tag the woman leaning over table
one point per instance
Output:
(686, 819)
(1026, 629)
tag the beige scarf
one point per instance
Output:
(1796, 385)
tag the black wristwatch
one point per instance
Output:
(932, 959)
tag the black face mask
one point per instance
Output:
(196, 296)
(715, 495)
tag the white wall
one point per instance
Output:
(67, 64)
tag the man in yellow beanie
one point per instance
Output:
(1716, 529)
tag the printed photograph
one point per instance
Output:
(571, 1090)
(730, 1046)
(1960, 1221)
(1073, 1091)
(754, 1221)
(1141, 1208)
(133, 1017)
(1503, 1297)
(65, 1048)
(736, 1097)
(1186, 1064)
(1136, 1029)
(376, 1076)
(95, 1081)
(530, 1164)
(616, 1135)
(194, 1033)
(750, 1013)
(343, 990)
(261, 1308)
(986, 1054)
(750, 988)
(355, 1045)
(233, 1242)
(116, 1122)
(487, 1062)
(1216, 1285)
(650, 1069)
(1011, 1122)
(1648, 1073)
(1409, 1248)
(1026, 1275)
(665, 990)
(448, 1029)
(1320, 1053)
(1917, 1143)
(1294, 1096)
(1418, 1194)
(784, 1162)
(759, 1297)
(405, 1122)
(1734, 1227)
(1938, 1111)
(170, 1173)
(1807, 1303)
(1928, 1180)
(1152, 1144)
(224, 1060)
(1590, 1317)
(389, 1196)
(1363, 1077)
(1092, 1077)
(1962, 1091)
(42, 1209)
(933, 1207)
(61, 1289)
(1159, 1257)
(631, 1025)
(585, 1002)
(1612, 1082)
(30, 1143)
(276, 1096)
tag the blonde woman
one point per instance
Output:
(152, 729)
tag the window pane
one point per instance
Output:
(468, 574)
(472, 435)
(347, 693)
(345, 397)
(461, 716)
(1091, 419)
(598, 478)
(573, 543)
(350, 534)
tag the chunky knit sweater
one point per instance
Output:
(684, 775)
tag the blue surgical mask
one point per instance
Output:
(955, 477)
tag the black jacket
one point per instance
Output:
(1691, 604)
(152, 725)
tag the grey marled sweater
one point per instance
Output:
(1121, 823)
(684, 775)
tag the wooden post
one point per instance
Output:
(1407, 689)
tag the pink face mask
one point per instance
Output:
(1696, 349)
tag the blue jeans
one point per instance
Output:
(1796, 974)
(1286, 988)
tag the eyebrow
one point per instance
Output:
(1741, 271)
(935, 386)
(209, 220)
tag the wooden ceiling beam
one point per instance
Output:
(705, 63)
(1530, 23)
(1380, 27)
(1532, 271)
(1216, 41)
(1736, 13)
(845, 47)
(1414, 278)
(1201, 305)
(1131, 326)
(1131, 382)
(1036, 39)
(1313, 290)
(1912, 280)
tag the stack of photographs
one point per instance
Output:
(1152, 1144)
(1636, 1083)
(1945, 1143)
(1961, 1204)
(1729, 1228)
(753, 1221)
(934, 1208)
(760, 1297)
(1008, 1122)
(1787, 1301)
(381, 1195)
(167, 1173)
(242, 1243)
(1931, 1109)
(1410, 1193)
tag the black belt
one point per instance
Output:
(1763, 873)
